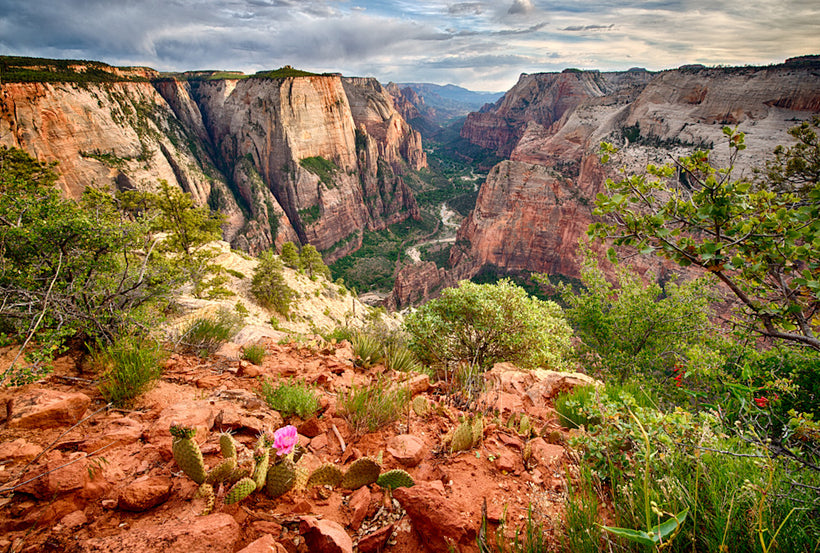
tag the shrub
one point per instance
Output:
(255, 353)
(635, 328)
(398, 357)
(367, 349)
(312, 262)
(290, 256)
(268, 285)
(481, 324)
(368, 408)
(575, 408)
(204, 335)
(291, 398)
(132, 365)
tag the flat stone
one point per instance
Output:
(437, 521)
(199, 414)
(145, 493)
(359, 502)
(325, 536)
(47, 409)
(265, 544)
(547, 455)
(407, 449)
(311, 427)
(74, 519)
(19, 450)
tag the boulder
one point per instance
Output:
(265, 544)
(437, 521)
(46, 409)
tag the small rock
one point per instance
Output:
(325, 536)
(145, 493)
(73, 520)
(547, 455)
(359, 502)
(47, 409)
(248, 370)
(319, 442)
(58, 476)
(407, 449)
(109, 504)
(267, 527)
(19, 450)
(507, 461)
(375, 541)
(302, 508)
(200, 414)
(418, 384)
(265, 544)
(310, 428)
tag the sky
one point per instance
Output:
(480, 45)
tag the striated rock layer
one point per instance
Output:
(238, 145)
(534, 208)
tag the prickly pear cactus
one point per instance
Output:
(421, 406)
(362, 472)
(227, 445)
(207, 491)
(222, 471)
(187, 453)
(240, 491)
(281, 478)
(301, 477)
(462, 438)
(261, 457)
(395, 478)
(527, 452)
(478, 430)
(327, 474)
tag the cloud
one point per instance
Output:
(466, 8)
(521, 7)
(589, 27)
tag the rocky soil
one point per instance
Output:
(76, 475)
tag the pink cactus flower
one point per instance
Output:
(284, 439)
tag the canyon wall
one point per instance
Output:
(534, 208)
(315, 159)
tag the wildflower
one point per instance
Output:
(284, 439)
(761, 402)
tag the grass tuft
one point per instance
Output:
(368, 408)
(291, 398)
(255, 353)
(131, 366)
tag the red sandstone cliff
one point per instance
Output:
(533, 209)
(238, 144)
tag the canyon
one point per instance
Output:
(537, 204)
(307, 158)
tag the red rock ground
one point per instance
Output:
(122, 490)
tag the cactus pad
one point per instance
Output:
(206, 491)
(421, 406)
(478, 430)
(261, 457)
(188, 455)
(396, 478)
(227, 445)
(362, 472)
(527, 451)
(281, 478)
(222, 471)
(462, 438)
(327, 474)
(180, 431)
(240, 491)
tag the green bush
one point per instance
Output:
(204, 335)
(398, 357)
(290, 256)
(132, 365)
(268, 285)
(482, 324)
(577, 408)
(368, 408)
(255, 353)
(636, 328)
(291, 398)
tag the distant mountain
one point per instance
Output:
(429, 107)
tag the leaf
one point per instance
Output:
(663, 529)
(637, 536)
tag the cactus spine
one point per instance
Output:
(187, 453)
(227, 445)
(462, 438)
(261, 457)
